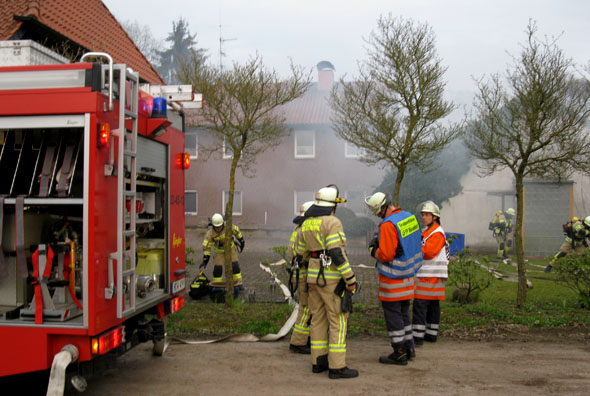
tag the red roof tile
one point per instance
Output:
(88, 23)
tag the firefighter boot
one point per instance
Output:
(344, 372)
(398, 357)
(303, 349)
(410, 351)
(430, 338)
(321, 364)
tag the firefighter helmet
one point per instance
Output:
(499, 213)
(574, 219)
(430, 207)
(304, 206)
(587, 221)
(510, 212)
(328, 196)
(377, 202)
(217, 220)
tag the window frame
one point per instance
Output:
(196, 155)
(300, 132)
(224, 154)
(196, 212)
(223, 202)
(348, 155)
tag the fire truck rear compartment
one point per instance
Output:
(43, 168)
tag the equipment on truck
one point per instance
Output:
(92, 256)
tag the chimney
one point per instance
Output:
(325, 75)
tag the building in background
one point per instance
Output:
(311, 157)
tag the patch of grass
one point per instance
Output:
(205, 318)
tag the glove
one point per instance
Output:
(205, 261)
(241, 244)
(352, 288)
(373, 246)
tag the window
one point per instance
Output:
(355, 201)
(304, 144)
(352, 151)
(191, 145)
(301, 197)
(191, 202)
(237, 209)
(227, 150)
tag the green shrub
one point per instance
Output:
(468, 277)
(574, 272)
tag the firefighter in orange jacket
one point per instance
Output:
(215, 239)
(430, 278)
(396, 247)
(324, 241)
(298, 282)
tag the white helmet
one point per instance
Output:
(304, 206)
(376, 202)
(328, 196)
(217, 220)
(510, 212)
(430, 207)
(587, 221)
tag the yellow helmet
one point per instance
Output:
(574, 219)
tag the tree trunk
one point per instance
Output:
(229, 207)
(519, 241)
(398, 183)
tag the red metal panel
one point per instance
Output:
(34, 102)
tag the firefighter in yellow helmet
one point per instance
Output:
(298, 283)
(501, 227)
(576, 232)
(323, 240)
(214, 239)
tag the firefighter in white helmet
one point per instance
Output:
(214, 239)
(501, 226)
(576, 233)
(323, 240)
(397, 249)
(298, 283)
(431, 277)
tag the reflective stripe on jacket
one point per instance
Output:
(436, 266)
(430, 288)
(406, 264)
(391, 289)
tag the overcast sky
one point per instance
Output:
(473, 36)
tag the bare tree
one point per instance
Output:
(532, 121)
(393, 111)
(142, 37)
(242, 110)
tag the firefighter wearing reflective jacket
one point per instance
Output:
(298, 283)
(430, 278)
(501, 227)
(324, 241)
(576, 233)
(398, 252)
(214, 239)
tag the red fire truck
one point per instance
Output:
(92, 256)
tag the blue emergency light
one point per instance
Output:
(159, 108)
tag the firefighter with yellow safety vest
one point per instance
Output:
(214, 239)
(298, 283)
(323, 240)
(576, 232)
(397, 249)
(431, 277)
(501, 227)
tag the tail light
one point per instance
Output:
(107, 341)
(176, 304)
(104, 135)
(183, 160)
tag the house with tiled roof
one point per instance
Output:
(283, 178)
(74, 26)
